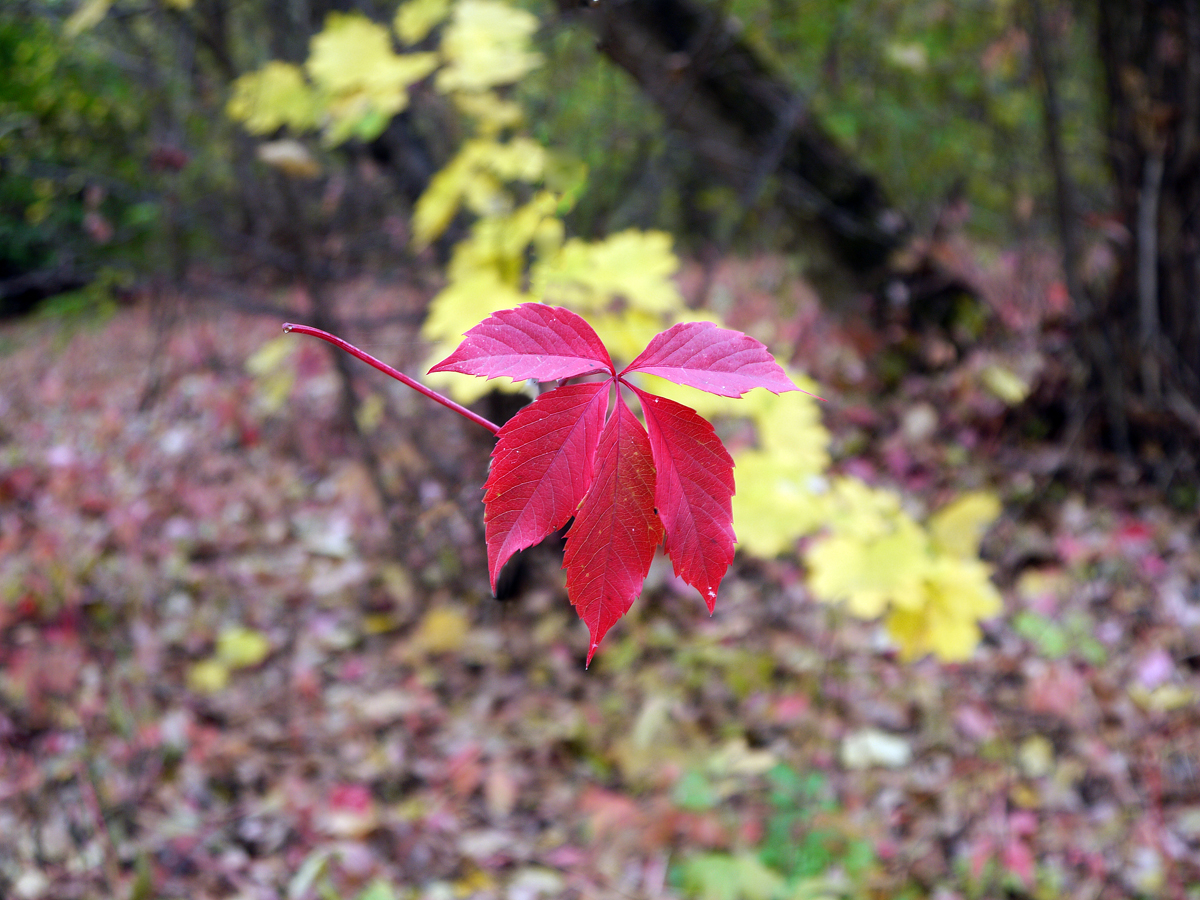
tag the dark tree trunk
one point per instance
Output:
(1151, 55)
(749, 128)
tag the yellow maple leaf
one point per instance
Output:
(959, 526)
(486, 44)
(417, 18)
(869, 575)
(954, 595)
(773, 506)
(274, 96)
(353, 64)
(634, 266)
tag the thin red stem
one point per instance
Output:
(395, 373)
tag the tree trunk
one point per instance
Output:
(1151, 55)
(751, 130)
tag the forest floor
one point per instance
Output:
(223, 673)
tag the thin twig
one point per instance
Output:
(1147, 273)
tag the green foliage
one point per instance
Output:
(94, 302)
(591, 109)
(70, 191)
(798, 858)
(933, 96)
(1056, 640)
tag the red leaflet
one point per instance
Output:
(611, 543)
(717, 360)
(627, 489)
(541, 468)
(693, 492)
(533, 341)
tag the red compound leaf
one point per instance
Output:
(564, 455)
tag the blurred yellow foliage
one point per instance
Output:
(878, 560)
(274, 96)
(442, 630)
(240, 648)
(415, 19)
(360, 76)
(487, 43)
(634, 266)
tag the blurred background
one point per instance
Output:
(248, 647)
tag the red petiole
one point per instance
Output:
(395, 373)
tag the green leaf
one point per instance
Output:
(694, 792)
(720, 876)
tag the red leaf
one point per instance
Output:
(533, 341)
(627, 489)
(541, 469)
(717, 360)
(611, 543)
(693, 492)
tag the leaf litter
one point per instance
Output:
(384, 729)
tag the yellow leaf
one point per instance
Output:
(466, 302)
(1036, 756)
(951, 596)
(493, 113)
(87, 16)
(241, 648)
(440, 201)
(520, 159)
(353, 64)
(443, 630)
(1164, 698)
(417, 18)
(209, 676)
(273, 377)
(958, 527)
(486, 44)
(290, 157)
(352, 53)
(1005, 384)
(274, 96)
(789, 428)
(370, 412)
(633, 266)
(773, 506)
(271, 356)
(868, 574)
